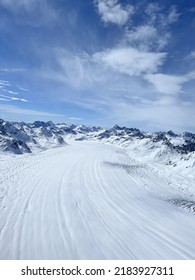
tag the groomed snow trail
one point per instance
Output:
(83, 202)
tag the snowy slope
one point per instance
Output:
(88, 200)
(158, 149)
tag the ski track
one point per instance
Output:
(90, 201)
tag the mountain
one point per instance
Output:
(20, 137)
(167, 148)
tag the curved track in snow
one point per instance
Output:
(89, 201)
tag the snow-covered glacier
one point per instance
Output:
(74, 192)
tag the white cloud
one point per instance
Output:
(142, 33)
(6, 87)
(10, 91)
(4, 83)
(169, 84)
(23, 89)
(146, 37)
(173, 15)
(12, 70)
(75, 119)
(192, 54)
(112, 68)
(4, 96)
(79, 71)
(160, 115)
(153, 10)
(9, 98)
(18, 99)
(28, 5)
(157, 15)
(191, 10)
(28, 11)
(153, 32)
(111, 11)
(3, 99)
(130, 61)
(16, 110)
(190, 75)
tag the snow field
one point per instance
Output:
(91, 201)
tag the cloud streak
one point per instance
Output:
(16, 110)
(12, 70)
(28, 11)
(6, 88)
(9, 98)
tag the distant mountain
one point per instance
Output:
(183, 143)
(20, 137)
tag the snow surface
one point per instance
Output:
(89, 200)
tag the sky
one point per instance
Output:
(99, 62)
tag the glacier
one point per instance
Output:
(78, 192)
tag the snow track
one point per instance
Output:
(90, 201)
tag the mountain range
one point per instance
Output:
(21, 137)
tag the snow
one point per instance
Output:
(90, 200)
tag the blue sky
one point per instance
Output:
(99, 62)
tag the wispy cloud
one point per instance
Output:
(12, 70)
(10, 98)
(79, 71)
(173, 15)
(11, 4)
(27, 11)
(7, 93)
(18, 99)
(157, 15)
(86, 71)
(169, 84)
(4, 99)
(191, 55)
(159, 116)
(10, 91)
(23, 89)
(17, 110)
(191, 10)
(4, 83)
(75, 119)
(146, 37)
(111, 11)
(153, 30)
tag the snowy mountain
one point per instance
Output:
(167, 148)
(22, 138)
(25, 138)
